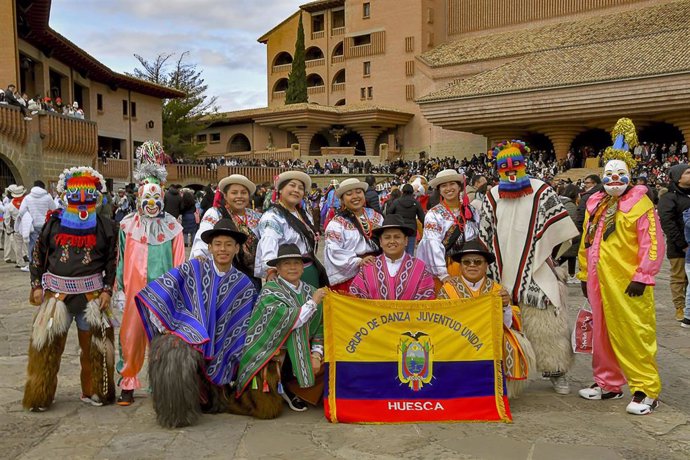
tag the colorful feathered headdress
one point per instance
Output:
(624, 138)
(151, 169)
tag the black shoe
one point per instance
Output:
(294, 402)
(26, 259)
(685, 322)
(126, 398)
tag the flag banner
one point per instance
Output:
(413, 361)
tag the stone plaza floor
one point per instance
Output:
(545, 425)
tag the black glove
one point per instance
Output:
(583, 285)
(635, 289)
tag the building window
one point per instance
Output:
(317, 23)
(99, 102)
(409, 44)
(125, 107)
(215, 137)
(133, 109)
(338, 19)
(360, 40)
(201, 138)
(370, 92)
(429, 15)
(367, 68)
(366, 10)
(362, 93)
(409, 68)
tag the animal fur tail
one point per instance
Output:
(549, 335)
(173, 366)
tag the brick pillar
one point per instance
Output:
(304, 137)
(682, 122)
(369, 136)
(561, 138)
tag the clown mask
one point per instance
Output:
(150, 200)
(512, 172)
(616, 177)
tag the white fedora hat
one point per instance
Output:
(18, 191)
(237, 179)
(350, 184)
(447, 175)
(298, 175)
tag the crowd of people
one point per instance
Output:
(31, 106)
(236, 325)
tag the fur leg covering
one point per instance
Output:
(46, 345)
(102, 352)
(264, 405)
(174, 381)
(549, 335)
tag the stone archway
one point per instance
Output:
(539, 142)
(9, 173)
(353, 139)
(589, 143)
(317, 141)
(239, 143)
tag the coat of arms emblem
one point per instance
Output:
(415, 359)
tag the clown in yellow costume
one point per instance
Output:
(620, 254)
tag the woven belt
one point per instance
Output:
(72, 285)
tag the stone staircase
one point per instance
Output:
(576, 174)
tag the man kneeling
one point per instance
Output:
(284, 350)
(196, 317)
(518, 355)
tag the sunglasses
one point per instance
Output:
(470, 262)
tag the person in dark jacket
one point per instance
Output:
(592, 186)
(188, 213)
(671, 207)
(207, 200)
(172, 202)
(372, 196)
(569, 197)
(410, 210)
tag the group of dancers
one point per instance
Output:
(238, 327)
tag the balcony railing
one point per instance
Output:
(316, 89)
(68, 135)
(279, 94)
(115, 169)
(337, 31)
(338, 87)
(12, 124)
(317, 35)
(337, 59)
(315, 62)
(282, 68)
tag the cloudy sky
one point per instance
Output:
(220, 36)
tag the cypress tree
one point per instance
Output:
(297, 80)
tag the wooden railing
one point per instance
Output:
(68, 135)
(317, 35)
(338, 87)
(271, 154)
(337, 59)
(12, 124)
(279, 94)
(281, 68)
(335, 31)
(376, 46)
(316, 89)
(114, 169)
(315, 62)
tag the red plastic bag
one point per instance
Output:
(583, 330)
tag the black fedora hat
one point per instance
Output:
(394, 221)
(288, 251)
(474, 247)
(224, 227)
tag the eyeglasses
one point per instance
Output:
(470, 262)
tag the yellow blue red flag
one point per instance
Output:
(412, 361)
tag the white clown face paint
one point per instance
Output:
(150, 200)
(616, 177)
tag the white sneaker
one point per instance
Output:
(94, 400)
(595, 392)
(25, 269)
(641, 404)
(573, 280)
(560, 385)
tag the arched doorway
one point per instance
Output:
(339, 77)
(352, 139)
(540, 144)
(282, 58)
(318, 141)
(660, 137)
(280, 85)
(340, 102)
(7, 176)
(239, 143)
(314, 79)
(588, 144)
(313, 53)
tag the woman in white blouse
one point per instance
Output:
(350, 242)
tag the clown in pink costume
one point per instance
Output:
(151, 243)
(620, 254)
